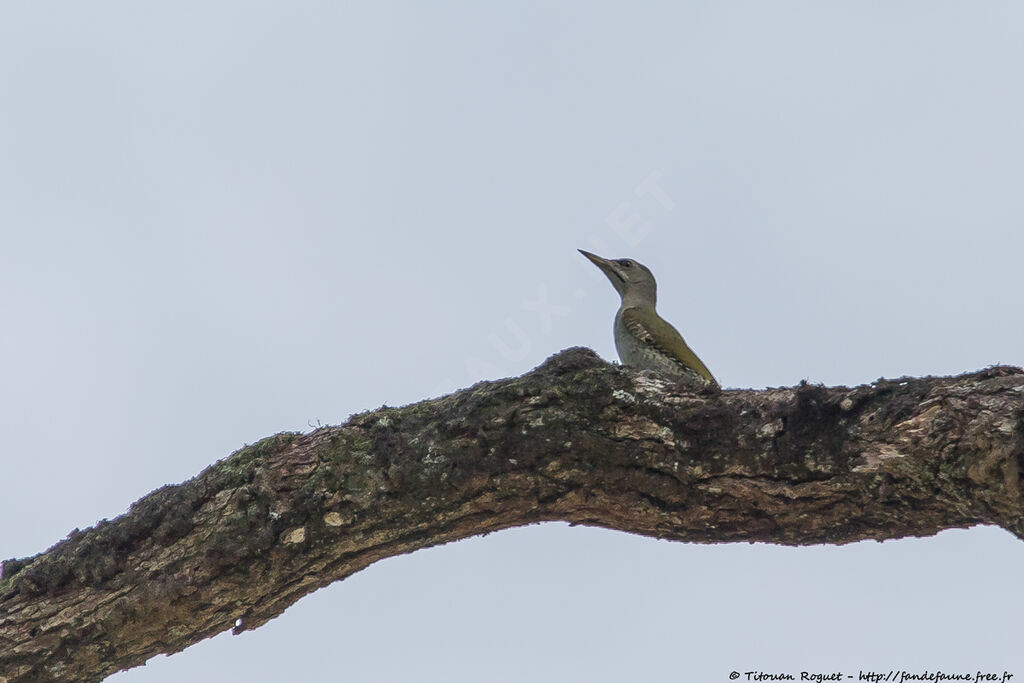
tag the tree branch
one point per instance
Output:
(576, 440)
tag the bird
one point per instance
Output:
(643, 338)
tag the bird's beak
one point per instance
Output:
(609, 268)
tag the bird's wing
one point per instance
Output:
(650, 328)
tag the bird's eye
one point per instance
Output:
(626, 263)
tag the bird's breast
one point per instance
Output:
(640, 354)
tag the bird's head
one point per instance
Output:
(632, 280)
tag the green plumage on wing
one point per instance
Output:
(650, 328)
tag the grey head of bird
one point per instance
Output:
(632, 280)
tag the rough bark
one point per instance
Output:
(575, 440)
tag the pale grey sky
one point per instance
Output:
(222, 220)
